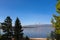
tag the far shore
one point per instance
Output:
(38, 38)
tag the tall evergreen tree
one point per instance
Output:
(7, 26)
(18, 30)
(56, 21)
(8, 22)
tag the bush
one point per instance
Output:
(27, 38)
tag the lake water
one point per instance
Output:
(37, 32)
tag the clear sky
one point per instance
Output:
(28, 11)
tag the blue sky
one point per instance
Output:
(28, 11)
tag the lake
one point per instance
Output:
(37, 32)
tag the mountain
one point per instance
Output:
(37, 25)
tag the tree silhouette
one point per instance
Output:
(11, 32)
(7, 27)
(18, 30)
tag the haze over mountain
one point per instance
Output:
(37, 25)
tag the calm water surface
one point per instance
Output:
(37, 32)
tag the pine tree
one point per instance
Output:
(8, 22)
(7, 27)
(18, 30)
(56, 21)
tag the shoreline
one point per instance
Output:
(38, 38)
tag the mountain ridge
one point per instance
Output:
(39, 25)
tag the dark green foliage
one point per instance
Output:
(52, 35)
(7, 27)
(57, 37)
(0, 36)
(18, 30)
(7, 24)
(27, 38)
(6, 36)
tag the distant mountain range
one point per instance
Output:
(33, 26)
(37, 25)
